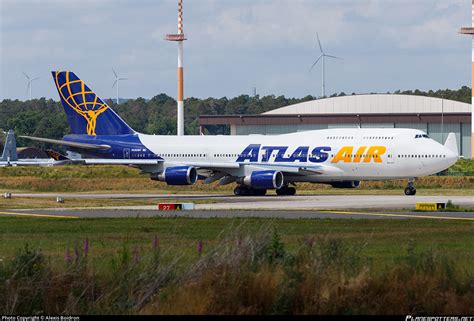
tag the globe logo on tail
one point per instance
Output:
(80, 99)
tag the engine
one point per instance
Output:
(264, 179)
(346, 184)
(179, 175)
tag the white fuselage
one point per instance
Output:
(328, 155)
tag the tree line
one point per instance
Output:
(45, 117)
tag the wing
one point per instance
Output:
(321, 169)
(222, 166)
(212, 171)
(297, 169)
(103, 161)
(229, 172)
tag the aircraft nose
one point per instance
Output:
(451, 156)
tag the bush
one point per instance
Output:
(245, 273)
(450, 206)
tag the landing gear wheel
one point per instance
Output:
(246, 191)
(410, 190)
(291, 191)
(285, 190)
(238, 191)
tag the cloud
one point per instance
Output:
(234, 45)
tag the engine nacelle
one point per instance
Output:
(264, 179)
(179, 175)
(346, 184)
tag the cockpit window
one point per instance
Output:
(421, 136)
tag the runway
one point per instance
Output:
(273, 202)
(303, 214)
(226, 206)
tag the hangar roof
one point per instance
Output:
(374, 104)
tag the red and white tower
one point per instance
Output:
(179, 38)
(470, 31)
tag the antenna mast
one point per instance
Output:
(470, 32)
(179, 38)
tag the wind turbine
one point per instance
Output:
(322, 57)
(117, 82)
(30, 81)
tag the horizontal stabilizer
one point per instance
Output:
(101, 161)
(68, 143)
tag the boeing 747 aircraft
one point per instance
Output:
(339, 157)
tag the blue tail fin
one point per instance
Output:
(86, 113)
(9, 151)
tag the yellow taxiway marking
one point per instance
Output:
(403, 215)
(37, 215)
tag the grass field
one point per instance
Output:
(111, 179)
(462, 166)
(71, 202)
(183, 265)
(385, 239)
(224, 265)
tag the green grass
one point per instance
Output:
(356, 266)
(42, 203)
(38, 203)
(463, 166)
(110, 179)
(247, 266)
(385, 239)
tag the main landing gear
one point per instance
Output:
(242, 190)
(410, 189)
(248, 191)
(286, 190)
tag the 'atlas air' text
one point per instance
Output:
(255, 153)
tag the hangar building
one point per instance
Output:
(437, 117)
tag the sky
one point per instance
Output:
(235, 45)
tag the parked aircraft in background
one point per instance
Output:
(10, 156)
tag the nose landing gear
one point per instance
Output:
(410, 189)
